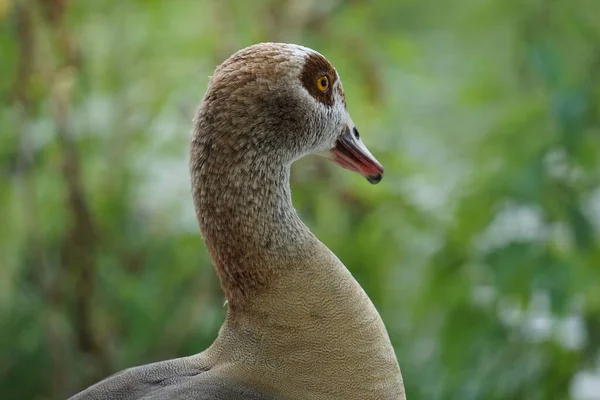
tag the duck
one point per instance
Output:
(298, 324)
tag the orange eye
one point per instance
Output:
(323, 83)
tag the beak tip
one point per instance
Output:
(374, 179)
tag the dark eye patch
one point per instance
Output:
(316, 66)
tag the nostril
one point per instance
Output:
(356, 134)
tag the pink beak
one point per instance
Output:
(350, 153)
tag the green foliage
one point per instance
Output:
(480, 248)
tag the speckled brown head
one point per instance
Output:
(279, 102)
(266, 106)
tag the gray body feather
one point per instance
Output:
(179, 379)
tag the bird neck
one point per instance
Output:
(249, 224)
(285, 289)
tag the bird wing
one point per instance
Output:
(178, 379)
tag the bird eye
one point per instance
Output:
(323, 83)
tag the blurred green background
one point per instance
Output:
(480, 248)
